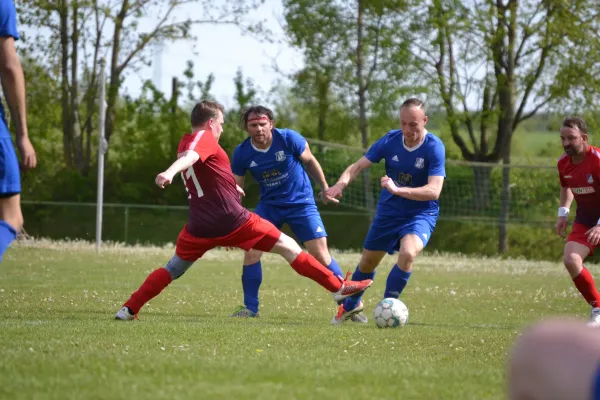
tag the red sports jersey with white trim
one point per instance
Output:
(215, 206)
(584, 181)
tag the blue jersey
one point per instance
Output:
(408, 167)
(8, 28)
(278, 169)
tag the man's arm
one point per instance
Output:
(239, 180)
(184, 161)
(313, 168)
(431, 191)
(566, 197)
(348, 176)
(13, 85)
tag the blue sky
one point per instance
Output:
(231, 50)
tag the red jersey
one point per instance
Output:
(584, 181)
(215, 206)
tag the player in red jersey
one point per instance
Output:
(579, 172)
(217, 218)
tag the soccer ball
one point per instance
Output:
(390, 313)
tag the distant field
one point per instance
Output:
(59, 341)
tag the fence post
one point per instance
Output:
(126, 219)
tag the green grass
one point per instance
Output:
(58, 339)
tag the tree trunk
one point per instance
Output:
(75, 125)
(362, 106)
(323, 104)
(481, 187)
(504, 204)
(115, 72)
(64, 84)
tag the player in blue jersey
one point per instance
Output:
(13, 85)
(280, 161)
(408, 208)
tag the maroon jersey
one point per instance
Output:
(215, 206)
(584, 181)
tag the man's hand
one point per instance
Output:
(326, 199)
(561, 226)
(593, 235)
(163, 179)
(335, 191)
(27, 152)
(388, 183)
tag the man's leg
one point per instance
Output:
(251, 281)
(306, 265)
(187, 251)
(411, 246)
(11, 220)
(573, 257)
(555, 360)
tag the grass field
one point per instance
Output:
(58, 339)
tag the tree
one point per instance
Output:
(496, 63)
(76, 34)
(353, 51)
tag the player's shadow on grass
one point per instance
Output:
(467, 326)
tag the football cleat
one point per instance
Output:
(595, 318)
(343, 314)
(350, 288)
(125, 314)
(243, 312)
(359, 318)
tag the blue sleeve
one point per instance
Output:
(237, 162)
(437, 160)
(8, 19)
(296, 142)
(377, 150)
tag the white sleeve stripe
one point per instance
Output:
(197, 137)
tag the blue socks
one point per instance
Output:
(396, 282)
(352, 302)
(7, 235)
(251, 280)
(335, 268)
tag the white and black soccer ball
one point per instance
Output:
(390, 313)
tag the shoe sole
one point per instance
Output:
(348, 315)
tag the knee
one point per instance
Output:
(322, 255)
(407, 255)
(252, 257)
(177, 267)
(573, 262)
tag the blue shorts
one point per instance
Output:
(10, 178)
(304, 219)
(385, 232)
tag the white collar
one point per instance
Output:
(260, 150)
(415, 147)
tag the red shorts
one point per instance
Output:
(578, 235)
(255, 233)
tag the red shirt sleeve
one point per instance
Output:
(203, 143)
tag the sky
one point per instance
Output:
(227, 51)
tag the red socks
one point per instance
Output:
(308, 266)
(584, 282)
(152, 286)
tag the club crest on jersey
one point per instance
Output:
(419, 163)
(590, 178)
(280, 155)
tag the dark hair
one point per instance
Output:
(204, 111)
(258, 110)
(413, 102)
(575, 123)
